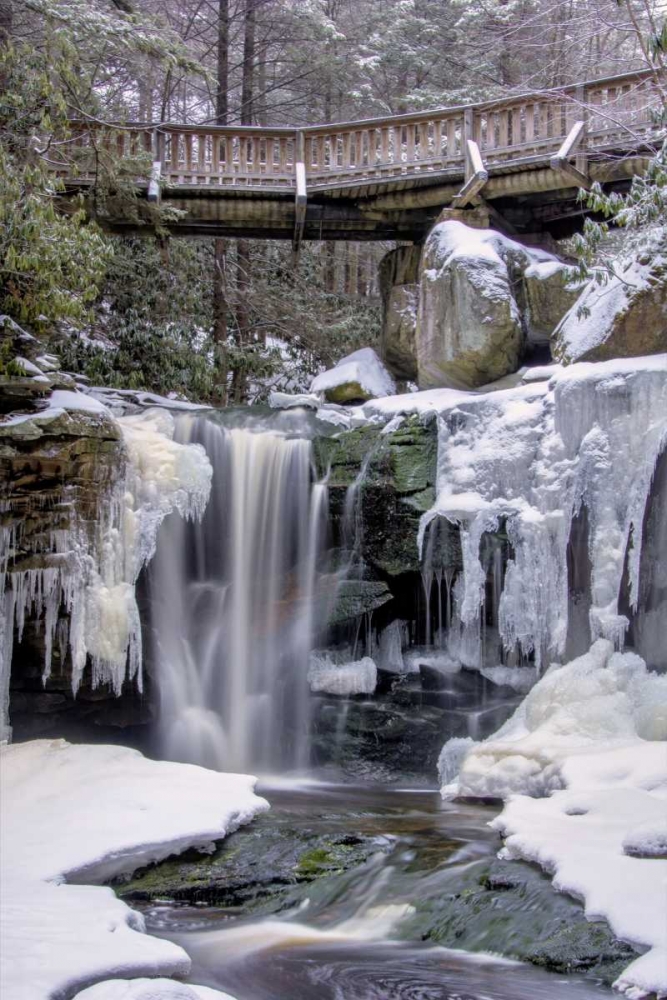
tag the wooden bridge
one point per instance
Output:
(524, 158)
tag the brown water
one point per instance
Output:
(343, 937)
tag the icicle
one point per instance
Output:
(90, 571)
(532, 456)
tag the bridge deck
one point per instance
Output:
(385, 177)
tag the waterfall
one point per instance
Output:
(233, 607)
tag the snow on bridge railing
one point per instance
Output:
(619, 113)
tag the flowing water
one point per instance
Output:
(232, 607)
(356, 935)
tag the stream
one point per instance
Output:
(311, 927)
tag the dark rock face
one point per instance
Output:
(399, 288)
(397, 488)
(399, 733)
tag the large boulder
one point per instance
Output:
(483, 299)
(622, 318)
(355, 379)
(469, 328)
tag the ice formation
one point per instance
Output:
(84, 814)
(357, 677)
(91, 569)
(393, 639)
(525, 460)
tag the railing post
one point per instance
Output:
(156, 169)
(301, 194)
(581, 162)
(468, 136)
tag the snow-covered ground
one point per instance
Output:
(73, 815)
(582, 765)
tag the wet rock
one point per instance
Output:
(398, 487)
(256, 868)
(358, 597)
(511, 908)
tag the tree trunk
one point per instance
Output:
(243, 264)
(220, 293)
(6, 20)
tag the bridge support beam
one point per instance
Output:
(560, 161)
(476, 176)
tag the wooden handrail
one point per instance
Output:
(507, 130)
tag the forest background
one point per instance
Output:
(226, 321)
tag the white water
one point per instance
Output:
(233, 605)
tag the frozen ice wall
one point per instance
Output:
(525, 460)
(91, 570)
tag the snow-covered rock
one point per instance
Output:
(356, 378)
(469, 324)
(84, 814)
(583, 766)
(624, 317)
(601, 697)
(328, 677)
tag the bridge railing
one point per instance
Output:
(617, 112)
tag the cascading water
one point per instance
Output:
(234, 607)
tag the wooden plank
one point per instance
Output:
(384, 146)
(452, 151)
(437, 139)
(409, 143)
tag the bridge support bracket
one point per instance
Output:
(561, 161)
(476, 176)
(301, 197)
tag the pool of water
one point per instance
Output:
(357, 934)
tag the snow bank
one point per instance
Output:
(601, 697)
(87, 813)
(149, 989)
(362, 368)
(358, 677)
(588, 745)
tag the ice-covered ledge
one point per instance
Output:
(83, 814)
